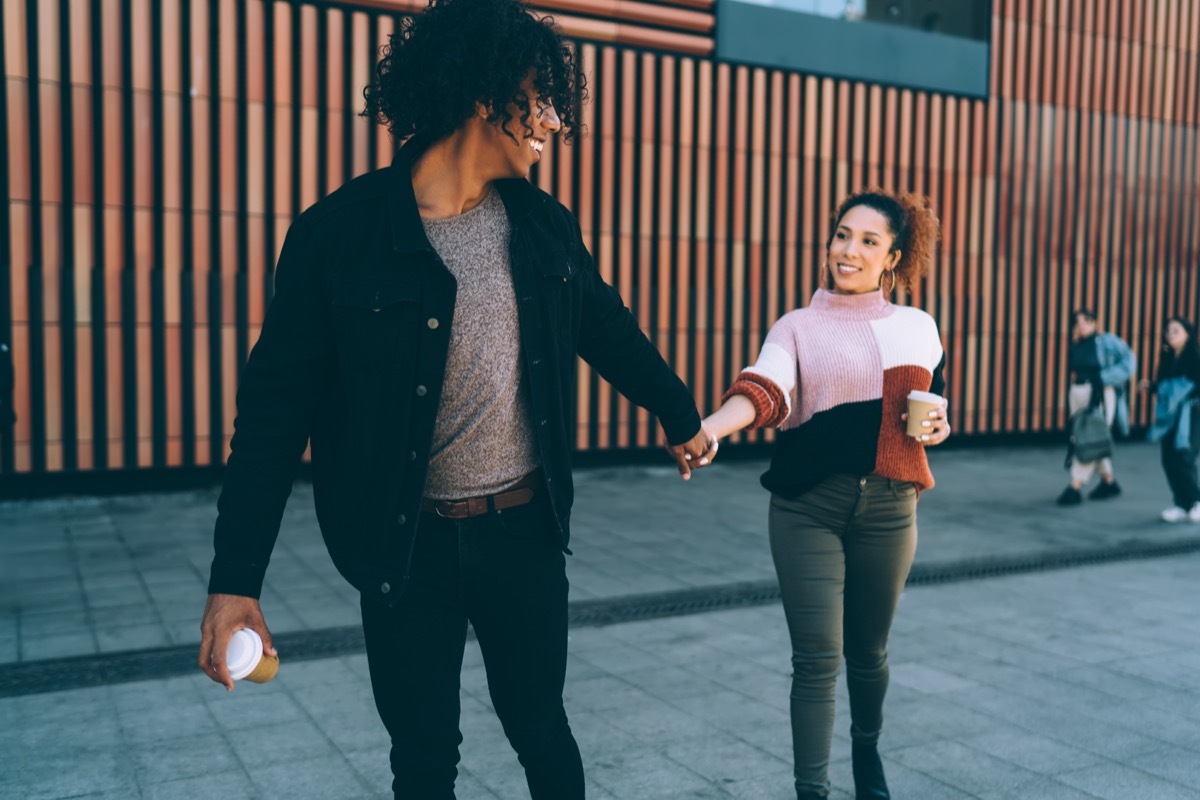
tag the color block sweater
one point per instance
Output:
(835, 377)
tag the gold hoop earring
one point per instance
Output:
(888, 273)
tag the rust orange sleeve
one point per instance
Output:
(770, 407)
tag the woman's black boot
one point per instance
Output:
(869, 783)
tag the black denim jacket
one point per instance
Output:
(352, 356)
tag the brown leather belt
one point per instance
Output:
(517, 495)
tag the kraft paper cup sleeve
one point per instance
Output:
(919, 405)
(265, 671)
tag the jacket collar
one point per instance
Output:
(408, 234)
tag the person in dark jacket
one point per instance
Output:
(423, 338)
(1177, 418)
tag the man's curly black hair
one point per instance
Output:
(458, 53)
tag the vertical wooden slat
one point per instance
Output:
(810, 256)
(665, 215)
(792, 196)
(970, 336)
(701, 362)
(643, 237)
(842, 142)
(737, 269)
(824, 168)
(720, 237)
(681, 87)
(776, 178)
(955, 298)
(608, 92)
(156, 265)
(585, 210)
(624, 172)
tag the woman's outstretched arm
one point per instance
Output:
(736, 413)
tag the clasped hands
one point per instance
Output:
(695, 453)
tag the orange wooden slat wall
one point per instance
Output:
(152, 170)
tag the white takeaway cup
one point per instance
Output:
(919, 405)
(246, 660)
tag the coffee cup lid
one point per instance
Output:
(244, 653)
(930, 397)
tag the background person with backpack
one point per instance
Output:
(1101, 365)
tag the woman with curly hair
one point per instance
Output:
(423, 336)
(844, 478)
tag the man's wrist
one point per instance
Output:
(680, 430)
(236, 577)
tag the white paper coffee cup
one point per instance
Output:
(919, 405)
(246, 660)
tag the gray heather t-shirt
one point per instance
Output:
(483, 439)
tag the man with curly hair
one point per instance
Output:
(423, 338)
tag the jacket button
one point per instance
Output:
(412, 455)
(544, 422)
(385, 588)
(400, 520)
(432, 323)
(421, 391)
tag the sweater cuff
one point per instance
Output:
(770, 407)
(236, 577)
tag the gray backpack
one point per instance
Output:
(1091, 438)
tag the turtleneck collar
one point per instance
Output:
(868, 305)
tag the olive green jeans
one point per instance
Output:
(842, 551)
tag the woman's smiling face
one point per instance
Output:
(860, 251)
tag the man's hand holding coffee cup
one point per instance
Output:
(224, 614)
(926, 419)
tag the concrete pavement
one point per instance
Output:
(101, 575)
(1061, 684)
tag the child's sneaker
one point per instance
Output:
(1174, 514)
(1194, 514)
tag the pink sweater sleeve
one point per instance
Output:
(770, 382)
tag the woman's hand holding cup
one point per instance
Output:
(926, 418)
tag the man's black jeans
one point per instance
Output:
(505, 572)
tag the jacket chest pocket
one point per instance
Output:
(372, 319)
(556, 281)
